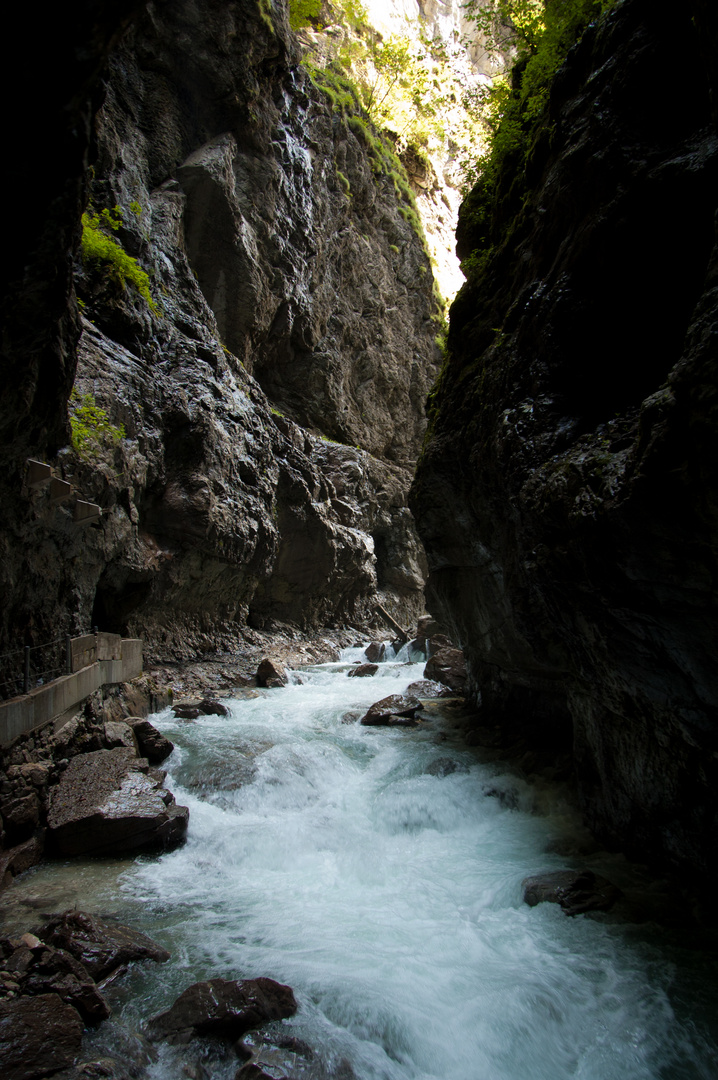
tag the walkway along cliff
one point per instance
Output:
(567, 492)
(270, 367)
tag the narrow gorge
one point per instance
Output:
(424, 580)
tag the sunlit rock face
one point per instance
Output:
(567, 497)
(454, 61)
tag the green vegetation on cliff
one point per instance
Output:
(515, 109)
(102, 249)
(90, 427)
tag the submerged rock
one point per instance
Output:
(100, 946)
(224, 1008)
(576, 891)
(105, 802)
(392, 710)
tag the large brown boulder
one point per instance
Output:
(364, 671)
(100, 946)
(223, 1008)
(38, 1036)
(447, 666)
(271, 673)
(105, 802)
(391, 709)
(152, 743)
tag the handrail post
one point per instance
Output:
(26, 679)
(68, 654)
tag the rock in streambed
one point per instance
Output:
(576, 891)
(396, 709)
(224, 1008)
(110, 801)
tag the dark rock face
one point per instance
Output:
(567, 498)
(223, 1008)
(38, 1036)
(106, 801)
(31, 968)
(268, 278)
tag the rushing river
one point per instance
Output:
(378, 872)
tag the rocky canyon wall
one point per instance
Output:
(271, 395)
(567, 493)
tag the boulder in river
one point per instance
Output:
(210, 707)
(106, 802)
(100, 946)
(38, 1036)
(391, 709)
(152, 743)
(448, 666)
(576, 891)
(270, 673)
(364, 671)
(427, 688)
(223, 1007)
(375, 651)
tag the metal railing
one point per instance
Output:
(22, 670)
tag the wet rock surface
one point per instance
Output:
(32, 968)
(576, 891)
(48, 993)
(106, 801)
(100, 946)
(223, 1008)
(38, 1036)
(447, 666)
(363, 671)
(392, 710)
(567, 494)
(152, 744)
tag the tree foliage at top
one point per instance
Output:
(541, 32)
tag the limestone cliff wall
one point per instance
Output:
(273, 401)
(567, 495)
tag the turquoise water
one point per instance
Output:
(337, 858)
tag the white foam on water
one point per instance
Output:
(323, 854)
